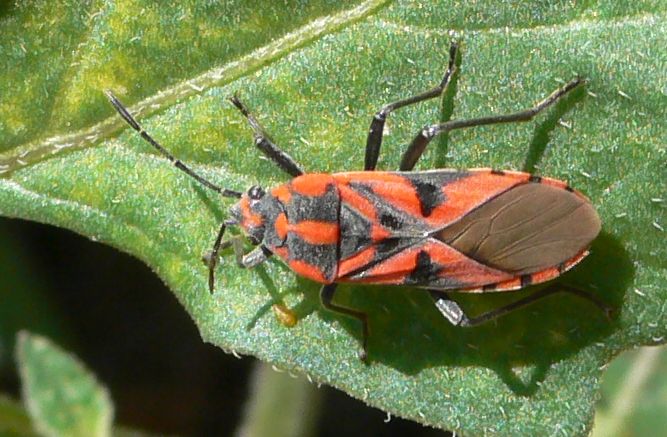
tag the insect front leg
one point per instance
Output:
(326, 296)
(255, 257)
(427, 134)
(376, 130)
(266, 145)
(457, 317)
(210, 258)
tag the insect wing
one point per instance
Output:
(451, 229)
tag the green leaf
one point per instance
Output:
(299, 403)
(14, 420)
(314, 76)
(634, 394)
(61, 395)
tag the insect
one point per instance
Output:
(478, 230)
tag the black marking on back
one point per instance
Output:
(355, 231)
(534, 178)
(526, 280)
(389, 216)
(569, 188)
(385, 250)
(320, 208)
(561, 267)
(324, 256)
(425, 271)
(391, 222)
(489, 287)
(497, 172)
(387, 245)
(430, 274)
(429, 185)
(430, 196)
(323, 208)
(269, 207)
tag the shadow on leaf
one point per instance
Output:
(542, 134)
(409, 334)
(6, 7)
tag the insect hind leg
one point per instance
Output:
(266, 145)
(419, 143)
(326, 296)
(376, 131)
(457, 317)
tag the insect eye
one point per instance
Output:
(255, 192)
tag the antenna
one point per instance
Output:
(132, 122)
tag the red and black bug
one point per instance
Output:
(476, 230)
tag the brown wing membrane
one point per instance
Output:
(527, 229)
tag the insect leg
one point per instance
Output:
(424, 137)
(266, 145)
(326, 296)
(456, 316)
(376, 130)
(255, 257)
(211, 257)
(177, 163)
(448, 307)
(248, 261)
